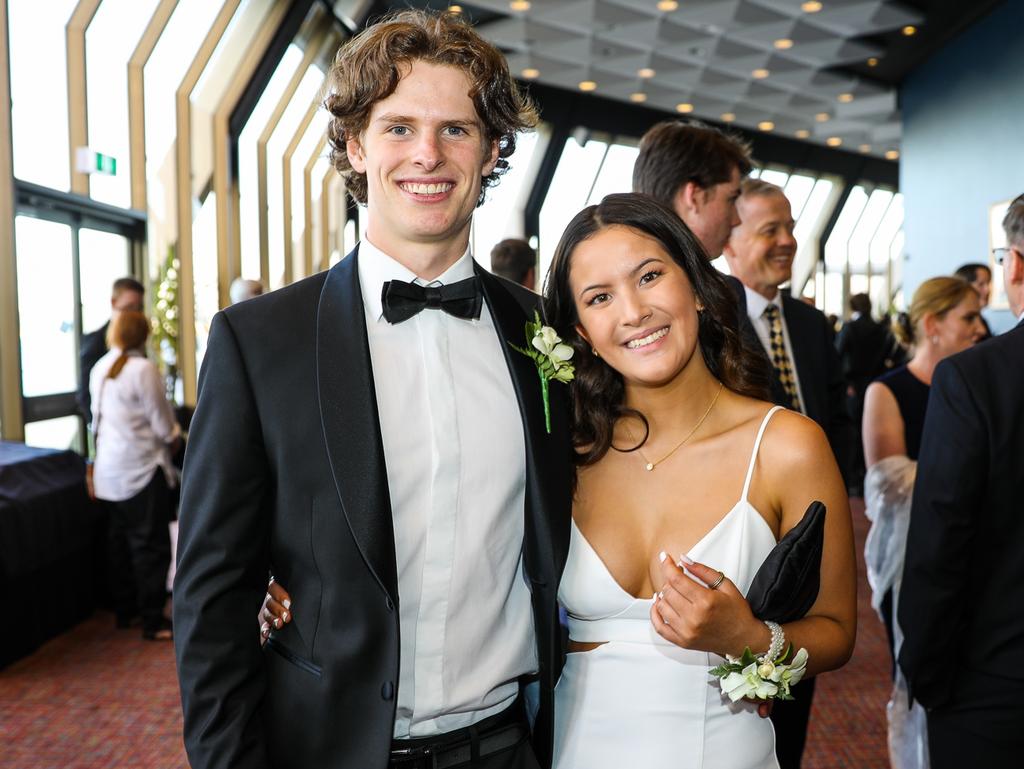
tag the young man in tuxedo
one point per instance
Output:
(963, 577)
(370, 436)
(798, 341)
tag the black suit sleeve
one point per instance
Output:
(93, 347)
(951, 476)
(223, 562)
(839, 427)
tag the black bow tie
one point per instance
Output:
(403, 300)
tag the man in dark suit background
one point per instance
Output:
(962, 595)
(126, 294)
(799, 343)
(370, 437)
(863, 345)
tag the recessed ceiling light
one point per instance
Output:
(766, 125)
(865, 148)
(530, 73)
(728, 117)
(588, 85)
(803, 133)
(667, 5)
(833, 141)
(892, 155)
(646, 72)
(873, 62)
(783, 44)
(822, 117)
(519, 5)
(454, 9)
(811, 6)
(638, 97)
(909, 30)
(845, 98)
(684, 107)
(760, 73)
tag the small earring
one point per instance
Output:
(935, 339)
(595, 352)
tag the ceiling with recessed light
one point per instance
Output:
(823, 71)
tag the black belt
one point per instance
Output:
(491, 735)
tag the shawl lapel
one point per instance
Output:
(348, 413)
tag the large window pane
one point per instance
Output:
(204, 272)
(865, 230)
(887, 229)
(798, 189)
(103, 258)
(616, 172)
(45, 307)
(248, 181)
(838, 242)
(501, 215)
(109, 42)
(39, 90)
(279, 140)
(567, 194)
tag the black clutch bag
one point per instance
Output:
(786, 585)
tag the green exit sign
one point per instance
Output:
(89, 161)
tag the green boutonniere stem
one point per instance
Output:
(552, 358)
(547, 401)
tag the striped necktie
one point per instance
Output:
(780, 358)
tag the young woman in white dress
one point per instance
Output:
(678, 454)
(680, 460)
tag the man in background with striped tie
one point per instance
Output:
(799, 343)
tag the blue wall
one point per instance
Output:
(963, 146)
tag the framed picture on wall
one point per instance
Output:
(997, 239)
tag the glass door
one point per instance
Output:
(66, 266)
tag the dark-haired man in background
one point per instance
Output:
(514, 259)
(126, 294)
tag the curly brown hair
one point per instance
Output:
(369, 67)
(598, 390)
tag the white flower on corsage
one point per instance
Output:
(551, 356)
(752, 677)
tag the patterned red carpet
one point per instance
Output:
(102, 698)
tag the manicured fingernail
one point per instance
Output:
(662, 556)
(265, 628)
(661, 594)
(284, 617)
(686, 559)
(286, 603)
(277, 622)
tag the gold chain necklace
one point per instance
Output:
(649, 466)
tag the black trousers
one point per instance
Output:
(519, 755)
(139, 549)
(983, 737)
(790, 721)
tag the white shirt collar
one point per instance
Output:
(376, 268)
(756, 304)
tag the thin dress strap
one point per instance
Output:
(757, 445)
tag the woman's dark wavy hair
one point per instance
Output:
(598, 390)
(368, 68)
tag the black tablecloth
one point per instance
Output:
(50, 545)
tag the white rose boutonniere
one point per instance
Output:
(551, 356)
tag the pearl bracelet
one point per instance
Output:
(778, 641)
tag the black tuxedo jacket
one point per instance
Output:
(285, 473)
(863, 345)
(961, 604)
(92, 348)
(817, 365)
(821, 376)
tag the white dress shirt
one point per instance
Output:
(756, 305)
(134, 424)
(456, 467)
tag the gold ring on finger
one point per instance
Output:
(714, 585)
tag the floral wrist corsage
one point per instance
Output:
(765, 677)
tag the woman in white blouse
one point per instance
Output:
(135, 432)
